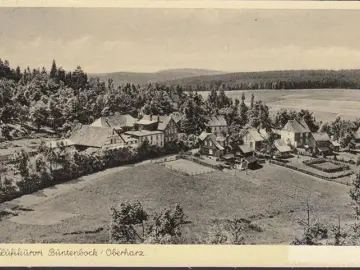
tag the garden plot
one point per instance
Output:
(328, 166)
(188, 167)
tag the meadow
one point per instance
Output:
(71, 216)
(326, 104)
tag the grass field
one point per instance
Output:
(187, 166)
(326, 104)
(272, 198)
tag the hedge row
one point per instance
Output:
(313, 162)
(74, 165)
(328, 178)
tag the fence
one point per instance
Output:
(201, 162)
(328, 178)
(187, 172)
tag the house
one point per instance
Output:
(118, 121)
(154, 137)
(209, 146)
(216, 124)
(282, 149)
(335, 146)
(86, 136)
(254, 138)
(244, 151)
(320, 141)
(165, 124)
(295, 133)
(357, 138)
(249, 162)
(147, 123)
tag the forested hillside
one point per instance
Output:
(160, 76)
(291, 79)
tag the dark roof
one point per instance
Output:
(216, 121)
(88, 135)
(296, 127)
(250, 159)
(164, 120)
(320, 136)
(323, 149)
(116, 120)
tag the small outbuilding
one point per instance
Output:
(249, 162)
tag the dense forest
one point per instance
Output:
(59, 100)
(291, 79)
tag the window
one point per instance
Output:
(251, 145)
(210, 152)
(210, 143)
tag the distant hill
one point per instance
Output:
(286, 79)
(160, 76)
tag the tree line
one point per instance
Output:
(273, 80)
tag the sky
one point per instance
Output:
(147, 40)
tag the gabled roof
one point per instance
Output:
(142, 133)
(281, 146)
(116, 120)
(164, 120)
(250, 159)
(216, 121)
(127, 138)
(255, 134)
(146, 121)
(335, 143)
(55, 144)
(91, 136)
(212, 136)
(245, 149)
(320, 136)
(204, 135)
(296, 127)
(357, 134)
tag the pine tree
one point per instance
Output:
(252, 101)
(53, 71)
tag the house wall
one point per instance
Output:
(171, 132)
(208, 148)
(219, 129)
(288, 136)
(249, 140)
(154, 139)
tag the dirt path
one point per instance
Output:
(43, 195)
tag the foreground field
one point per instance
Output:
(326, 104)
(272, 198)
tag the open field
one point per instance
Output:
(187, 166)
(326, 104)
(203, 197)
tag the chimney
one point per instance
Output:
(158, 118)
(150, 117)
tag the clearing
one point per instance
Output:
(273, 198)
(326, 104)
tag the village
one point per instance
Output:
(294, 146)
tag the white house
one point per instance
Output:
(154, 137)
(254, 138)
(295, 133)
